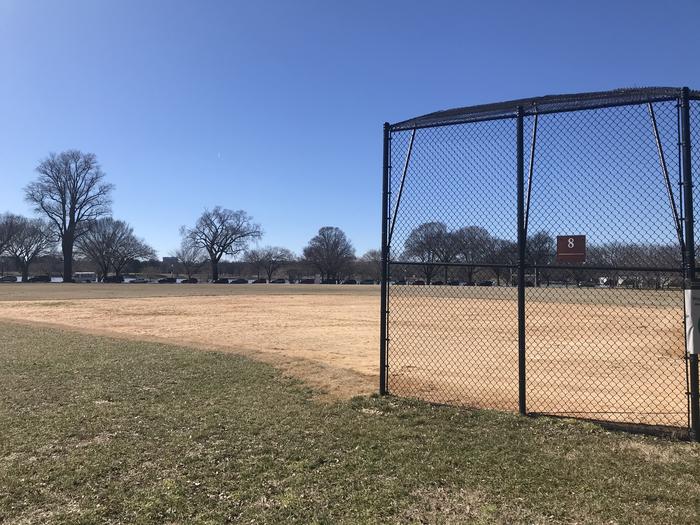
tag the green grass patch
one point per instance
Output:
(104, 430)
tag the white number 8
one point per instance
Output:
(571, 242)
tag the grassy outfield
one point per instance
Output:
(104, 430)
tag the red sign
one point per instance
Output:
(571, 248)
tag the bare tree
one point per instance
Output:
(33, 238)
(190, 256)
(9, 224)
(222, 232)
(97, 245)
(540, 252)
(429, 243)
(128, 248)
(505, 252)
(370, 264)
(473, 245)
(72, 193)
(111, 244)
(329, 252)
(269, 259)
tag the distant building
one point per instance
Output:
(170, 261)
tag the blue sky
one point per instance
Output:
(277, 107)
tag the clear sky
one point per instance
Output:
(277, 107)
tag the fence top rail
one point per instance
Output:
(542, 105)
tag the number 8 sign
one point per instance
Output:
(571, 248)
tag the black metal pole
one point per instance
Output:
(522, 406)
(403, 180)
(385, 267)
(530, 172)
(689, 254)
(664, 172)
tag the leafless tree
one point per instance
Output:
(540, 252)
(190, 256)
(222, 232)
(9, 224)
(97, 244)
(111, 244)
(370, 264)
(329, 252)
(269, 259)
(71, 192)
(430, 243)
(129, 248)
(611, 255)
(33, 238)
(505, 252)
(473, 245)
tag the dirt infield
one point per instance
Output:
(325, 335)
(591, 353)
(598, 354)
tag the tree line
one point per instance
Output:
(432, 243)
(72, 200)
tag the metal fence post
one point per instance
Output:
(520, 159)
(689, 269)
(385, 266)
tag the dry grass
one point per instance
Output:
(103, 430)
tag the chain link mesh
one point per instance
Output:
(604, 338)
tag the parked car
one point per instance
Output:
(8, 279)
(485, 283)
(167, 280)
(139, 280)
(85, 277)
(307, 281)
(278, 281)
(240, 280)
(220, 280)
(400, 282)
(586, 284)
(418, 283)
(367, 281)
(113, 279)
(453, 283)
(191, 280)
(437, 283)
(259, 281)
(39, 279)
(349, 281)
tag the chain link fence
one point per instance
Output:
(535, 256)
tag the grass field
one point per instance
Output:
(102, 430)
(599, 354)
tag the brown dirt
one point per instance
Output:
(326, 336)
(591, 353)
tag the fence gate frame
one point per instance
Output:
(518, 110)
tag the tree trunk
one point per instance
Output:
(25, 271)
(67, 249)
(105, 271)
(214, 269)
